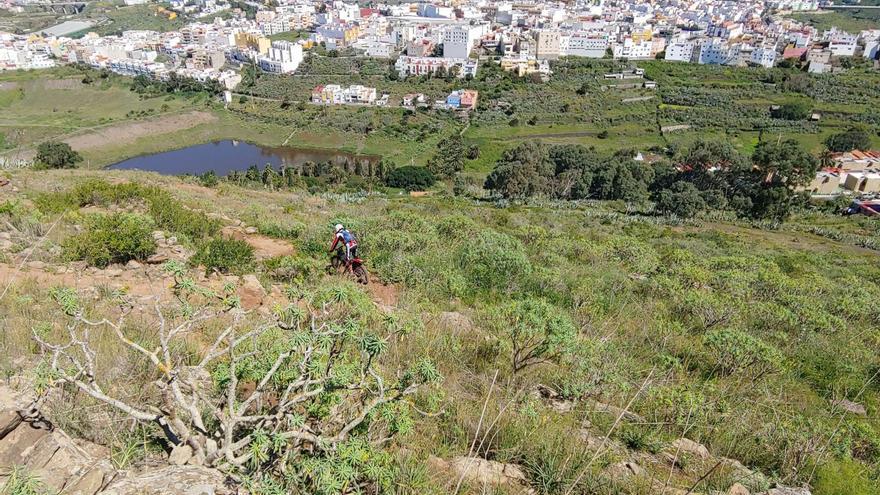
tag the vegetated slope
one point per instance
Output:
(759, 345)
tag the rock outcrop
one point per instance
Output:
(47, 452)
(72, 467)
(483, 472)
(173, 480)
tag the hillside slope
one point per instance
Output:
(559, 348)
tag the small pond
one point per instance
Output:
(224, 157)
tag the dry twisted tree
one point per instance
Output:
(263, 389)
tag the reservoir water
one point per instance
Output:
(225, 156)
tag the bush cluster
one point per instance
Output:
(114, 238)
(224, 255)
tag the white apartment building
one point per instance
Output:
(843, 44)
(458, 41)
(714, 51)
(283, 57)
(632, 49)
(763, 56)
(583, 45)
(680, 51)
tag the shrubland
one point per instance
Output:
(742, 336)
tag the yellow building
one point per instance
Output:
(253, 41)
(640, 36)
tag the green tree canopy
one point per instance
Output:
(56, 154)
(682, 199)
(450, 157)
(854, 138)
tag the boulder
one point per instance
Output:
(850, 407)
(133, 265)
(172, 480)
(250, 230)
(484, 472)
(36, 265)
(787, 490)
(157, 258)
(624, 469)
(738, 489)
(251, 292)
(180, 455)
(113, 272)
(684, 445)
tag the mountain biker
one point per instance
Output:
(343, 237)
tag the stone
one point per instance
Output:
(850, 407)
(172, 480)
(251, 292)
(787, 490)
(617, 412)
(157, 258)
(9, 421)
(251, 230)
(36, 265)
(5, 236)
(113, 272)
(624, 469)
(133, 265)
(180, 455)
(6, 245)
(738, 489)
(596, 442)
(171, 241)
(484, 472)
(553, 399)
(90, 483)
(691, 447)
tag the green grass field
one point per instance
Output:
(852, 21)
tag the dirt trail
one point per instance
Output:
(264, 247)
(385, 295)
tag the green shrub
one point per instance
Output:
(224, 255)
(410, 178)
(845, 477)
(494, 261)
(791, 111)
(737, 351)
(533, 330)
(115, 238)
(292, 269)
(171, 215)
(168, 213)
(290, 231)
(640, 437)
